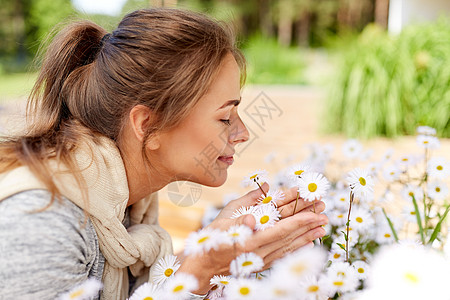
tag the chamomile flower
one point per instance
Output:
(313, 186)
(180, 285)
(211, 212)
(361, 219)
(361, 183)
(296, 171)
(337, 218)
(220, 280)
(438, 167)
(352, 148)
(272, 197)
(87, 290)
(362, 268)
(336, 253)
(342, 277)
(384, 235)
(342, 200)
(428, 141)
(301, 263)
(242, 211)
(406, 161)
(245, 264)
(410, 190)
(255, 178)
(266, 216)
(387, 155)
(314, 288)
(242, 288)
(203, 241)
(146, 291)
(409, 213)
(239, 234)
(437, 190)
(391, 173)
(426, 130)
(165, 268)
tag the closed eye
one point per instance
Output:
(226, 121)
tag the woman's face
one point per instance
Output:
(201, 148)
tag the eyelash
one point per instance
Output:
(226, 121)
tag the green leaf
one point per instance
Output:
(437, 229)
(419, 219)
(345, 235)
(342, 246)
(394, 232)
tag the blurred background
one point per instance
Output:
(335, 69)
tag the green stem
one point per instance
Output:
(348, 226)
(296, 201)
(394, 232)
(419, 220)
(264, 193)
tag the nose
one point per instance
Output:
(238, 132)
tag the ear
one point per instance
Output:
(140, 118)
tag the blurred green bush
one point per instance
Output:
(387, 85)
(271, 63)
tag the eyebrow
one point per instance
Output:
(231, 102)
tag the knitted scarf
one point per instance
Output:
(103, 171)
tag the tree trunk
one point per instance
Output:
(285, 21)
(303, 28)
(382, 12)
(265, 18)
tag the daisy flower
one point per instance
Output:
(361, 219)
(220, 280)
(336, 253)
(352, 148)
(384, 235)
(428, 141)
(410, 190)
(245, 264)
(272, 197)
(180, 285)
(303, 262)
(438, 167)
(87, 290)
(242, 288)
(342, 199)
(437, 190)
(146, 291)
(243, 211)
(239, 234)
(313, 186)
(313, 288)
(165, 268)
(407, 161)
(255, 178)
(296, 171)
(426, 130)
(337, 218)
(387, 155)
(391, 173)
(342, 278)
(266, 216)
(203, 241)
(361, 183)
(409, 213)
(362, 269)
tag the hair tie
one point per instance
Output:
(104, 39)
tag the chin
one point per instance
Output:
(217, 181)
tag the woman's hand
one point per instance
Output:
(292, 232)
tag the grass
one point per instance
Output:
(16, 85)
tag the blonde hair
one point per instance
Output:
(164, 59)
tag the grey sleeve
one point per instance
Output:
(43, 254)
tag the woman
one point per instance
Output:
(115, 117)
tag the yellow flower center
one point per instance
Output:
(312, 187)
(405, 159)
(244, 290)
(392, 173)
(387, 235)
(411, 194)
(254, 176)
(338, 283)
(440, 168)
(359, 220)
(235, 234)
(76, 294)
(267, 200)
(298, 268)
(223, 282)
(264, 219)
(203, 239)
(362, 181)
(412, 213)
(340, 216)
(360, 270)
(438, 189)
(298, 172)
(313, 288)
(168, 272)
(178, 288)
(342, 199)
(336, 255)
(247, 263)
(341, 274)
(412, 278)
(148, 298)
(425, 142)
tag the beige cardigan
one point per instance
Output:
(137, 247)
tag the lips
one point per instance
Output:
(226, 159)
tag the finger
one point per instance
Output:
(304, 240)
(289, 195)
(286, 242)
(300, 223)
(301, 204)
(317, 207)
